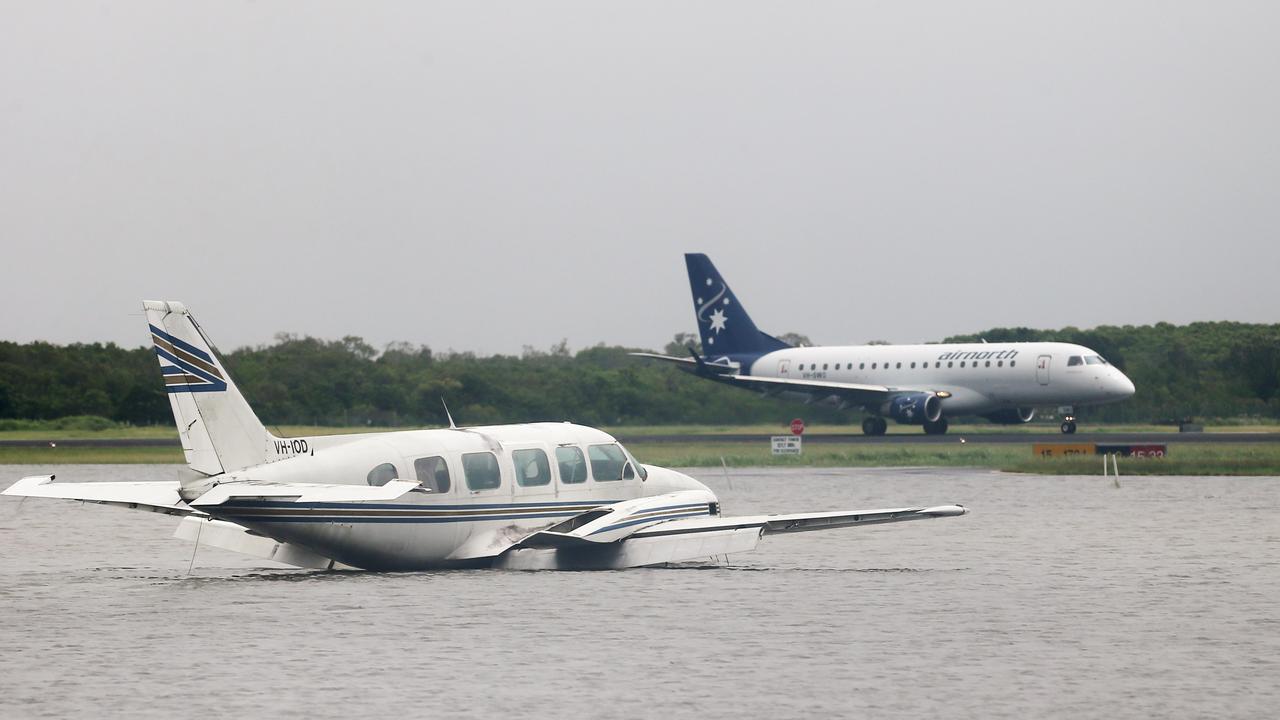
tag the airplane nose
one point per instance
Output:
(1123, 385)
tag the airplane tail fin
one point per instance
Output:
(219, 431)
(723, 324)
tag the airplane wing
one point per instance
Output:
(850, 394)
(161, 497)
(677, 527)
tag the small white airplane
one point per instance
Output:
(534, 496)
(912, 384)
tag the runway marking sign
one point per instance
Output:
(786, 444)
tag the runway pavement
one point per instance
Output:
(824, 438)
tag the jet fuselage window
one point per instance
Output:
(873, 366)
(1012, 363)
(607, 462)
(381, 475)
(949, 363)
(824, 366)
(1075, 360)
(573, 467)
(999, 363)
(961, 363)
(987, 364)
(532, 467)
(862, 366)
(481, 471)
(432, 473)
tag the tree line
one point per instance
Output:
(1202, 370)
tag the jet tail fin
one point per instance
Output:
(723, 323)
(219, 431)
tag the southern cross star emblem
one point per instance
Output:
(717, 321)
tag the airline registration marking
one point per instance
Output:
(292, 447)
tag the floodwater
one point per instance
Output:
(1056, 598)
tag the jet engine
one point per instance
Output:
(914, 408)
(1011, 416)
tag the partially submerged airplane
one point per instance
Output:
(912, 384)
(534, 496)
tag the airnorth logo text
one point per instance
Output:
(982, 355)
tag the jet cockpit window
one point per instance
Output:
(532, 467)
(1094, 360)
(481, 471)
(573, 467)
(381, 475)
(607, 462)
(433, 473)
(1075, 360)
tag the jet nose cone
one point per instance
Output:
(1123, 385)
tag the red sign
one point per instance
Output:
(797, 426)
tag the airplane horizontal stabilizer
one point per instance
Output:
(302, 492)
(154, 496)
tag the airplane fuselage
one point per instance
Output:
(479, 490)
(980, 378)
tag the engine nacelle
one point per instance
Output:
(914, 408)
(1011, 416)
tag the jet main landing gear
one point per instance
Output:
(874, 426)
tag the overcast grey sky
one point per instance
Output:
(484, 176)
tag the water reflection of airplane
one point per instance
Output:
(533, 496)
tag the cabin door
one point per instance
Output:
(1042, 369)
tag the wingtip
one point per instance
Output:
(946, 511)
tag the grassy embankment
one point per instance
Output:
(703, 450)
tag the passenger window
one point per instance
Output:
(987, 363)
(1012, 363)
(532, 467)
(573, 468)
(607, 462)
(873, 366)
(862, 366)
(381, 475)
(961, 363)
(949, 363)
(824, 366)
(481, 471)
(999, 363)
(1075, 360)
(432, 473)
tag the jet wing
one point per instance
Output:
(161, 497)
(851, 394)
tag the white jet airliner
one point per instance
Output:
(535, 496)
(912, 384)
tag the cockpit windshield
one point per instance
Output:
(1095, 360)
(1075, 360)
